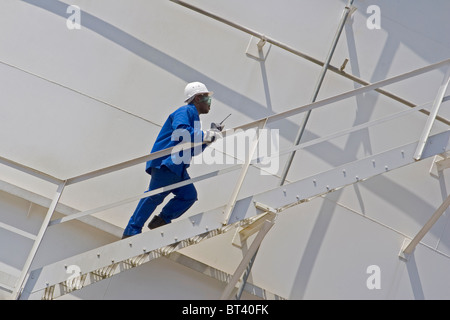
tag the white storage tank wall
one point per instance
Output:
(85, 99)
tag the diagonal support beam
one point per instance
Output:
(322, 74)
(270, 215)
(37, 242)
(435, 217)
(247, 259)
(36, 173)
(433, 113)
(243, 233)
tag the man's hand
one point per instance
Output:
(212, 135)
(217, 126)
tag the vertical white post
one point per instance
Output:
(232, 202)
(37, 242)
(433, 113)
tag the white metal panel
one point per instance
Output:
(140, 62)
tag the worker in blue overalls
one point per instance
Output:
(168, 169)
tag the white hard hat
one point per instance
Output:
(194, 88)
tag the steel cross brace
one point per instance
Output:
(409, 246)
(249, 256)
(243, 233)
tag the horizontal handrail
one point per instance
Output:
(145, 195)
(357, 91)
(347, 131)
(30, 171)
(236, 167)
(246, 126)
(133, 162)
(269, 119)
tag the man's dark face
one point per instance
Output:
(203, 103)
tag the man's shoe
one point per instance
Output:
(156, 222)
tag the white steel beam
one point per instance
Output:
(344, 132)
(45, 202)
(37, 242)
(249, 255)
(132, 162)
(435, 217)
(322, 74)
(118, 256)
(434, 111)
(30, 171)
(353, 172)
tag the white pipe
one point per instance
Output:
(434, 110)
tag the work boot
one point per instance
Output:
(156, 222)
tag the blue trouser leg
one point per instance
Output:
(184, 198)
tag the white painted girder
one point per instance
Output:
(115, 254)
(353, 172)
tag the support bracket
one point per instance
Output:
(402, 254)
(247, 259)
(352, 9)
(243, 233)
(440, 163)
(257, 48)
(409, 247)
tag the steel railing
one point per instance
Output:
(261, 123)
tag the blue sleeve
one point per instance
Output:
(184, 119)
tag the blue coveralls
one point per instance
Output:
(165, 172)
